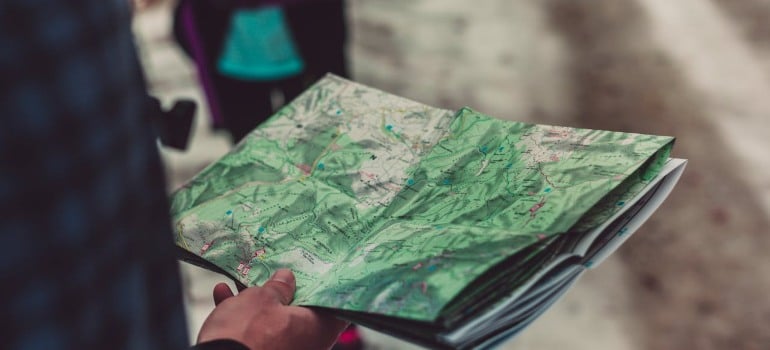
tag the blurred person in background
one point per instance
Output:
(252, 56)
(89, 261)
(247, 51)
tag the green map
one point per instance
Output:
(384, 205)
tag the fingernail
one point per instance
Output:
(283, 275)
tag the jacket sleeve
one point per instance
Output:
(220, 344)
(234, 4)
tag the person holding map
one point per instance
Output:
(88, 260)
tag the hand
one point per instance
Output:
(261, 318)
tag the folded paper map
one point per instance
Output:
(448, 229)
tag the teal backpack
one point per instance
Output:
(259, 46)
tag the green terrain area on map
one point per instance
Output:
(384, 205)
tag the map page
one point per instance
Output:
(387, 206)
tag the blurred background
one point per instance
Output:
(697, 276)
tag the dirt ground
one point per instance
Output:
(699, 269)
(697, 275)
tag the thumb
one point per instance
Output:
(221, 292)
(282, 286)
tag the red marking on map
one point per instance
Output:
(536, 207)
(206, 247)
(260, 252)
(240, 267)
(424, 287)
(305, 168)
(554, 158)
(417, 267)
(246, 270)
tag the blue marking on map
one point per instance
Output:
(229, 212)
(321, 166)
(410, 181)
(432, 268)
(620, 204)
(547, 190)
(261, 229)
(447, 181)
(389, 127)
(483, 149)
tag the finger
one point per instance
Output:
(281, 286)
(221, 292)
(320, 325)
